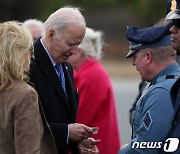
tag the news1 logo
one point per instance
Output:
(170, 145)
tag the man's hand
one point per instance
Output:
(79, 132)
(88, 146)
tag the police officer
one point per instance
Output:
(175, 92)
(172, 8)
(155, 60)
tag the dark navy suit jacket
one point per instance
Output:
(59, 110)
(175, 130)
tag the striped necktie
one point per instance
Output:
(61, 77)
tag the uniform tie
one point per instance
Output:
(61, 77)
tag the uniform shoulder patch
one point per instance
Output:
(147, 120)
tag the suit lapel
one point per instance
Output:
(70, 89)
(46, 66)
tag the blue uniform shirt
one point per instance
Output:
(153, 114)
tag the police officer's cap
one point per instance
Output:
(174, 13)
(147, 38)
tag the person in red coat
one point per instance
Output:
(97, 103)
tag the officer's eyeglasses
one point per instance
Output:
(176, 23)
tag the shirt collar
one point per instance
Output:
(52, 61)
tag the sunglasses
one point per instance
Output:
(176, 23)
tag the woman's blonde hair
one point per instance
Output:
(15, 41)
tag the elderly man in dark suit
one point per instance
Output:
(52, 76)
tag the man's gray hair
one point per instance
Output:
(62, 18)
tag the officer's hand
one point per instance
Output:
(78, 132)
(88, 146)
